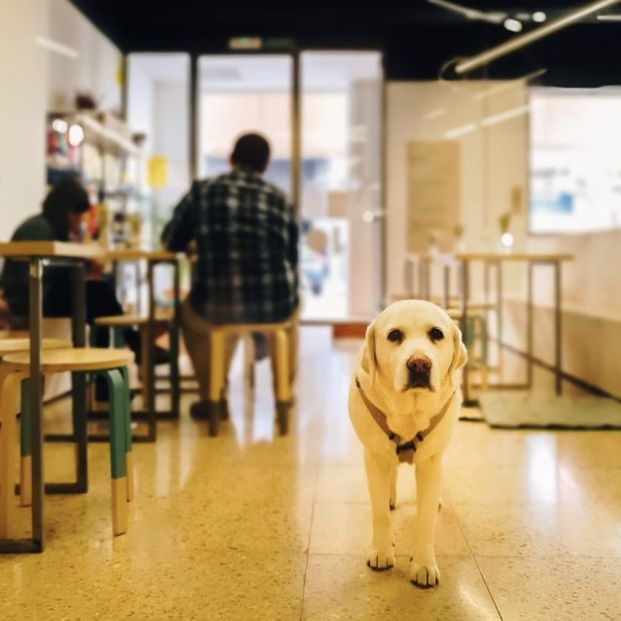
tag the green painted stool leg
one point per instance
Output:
(25, 482)
(118, 340)
(118, 446)
(129, 461)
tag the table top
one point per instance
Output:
(535, 257)
(136, 254)
(513, 256)
(50, 249)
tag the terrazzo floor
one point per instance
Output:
(250, 526)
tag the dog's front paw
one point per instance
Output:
(380, 561)
(424, 575)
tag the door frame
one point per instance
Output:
(296, 130)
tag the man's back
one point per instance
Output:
(246, 237)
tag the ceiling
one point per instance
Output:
(417, 38)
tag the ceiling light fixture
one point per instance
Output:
(470, 13)
(527, 38)
(513, 25)
(58, 48)
(539, 17)
(609, 18)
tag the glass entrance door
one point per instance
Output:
(245, 93)
(339, 164)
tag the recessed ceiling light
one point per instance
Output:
(539, 17)
(513, 25)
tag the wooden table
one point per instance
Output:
(464, 261)
(152, 259)
(36, 253)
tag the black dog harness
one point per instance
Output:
(405, 450)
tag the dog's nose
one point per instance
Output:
(421, 364)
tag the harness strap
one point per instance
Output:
(405, 450)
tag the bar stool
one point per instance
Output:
(108, 363)
(475, 331)
(280, 335)
(117, 324)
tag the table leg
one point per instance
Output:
(465, 281)
(78, 329)
(150, 371)
(36, 399)
(175, 393)
(447, 285)
(558, 328)
(529, 326)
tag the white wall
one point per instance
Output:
(31, 79)
(23, 91)
(493, 160)
(95, 71)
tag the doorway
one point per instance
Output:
(322, 113)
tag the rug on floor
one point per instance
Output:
(525, 409)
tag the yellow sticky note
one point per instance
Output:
(158, 171)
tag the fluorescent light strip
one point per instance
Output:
(609, 18)
(434, 114)
(470, 13)
(462, 130)
(501, 88)
(488, 121)
(507, 115)
(530, 37)
(54, 46)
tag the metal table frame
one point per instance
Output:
(35, 272)
(464, 262)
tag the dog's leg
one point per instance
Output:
(423, 567)
(382, 554)
(393, 489)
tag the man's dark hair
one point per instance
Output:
(67, 195)
(251, 151)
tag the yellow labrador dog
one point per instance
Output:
(404, 402)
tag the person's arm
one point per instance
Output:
(179, 231)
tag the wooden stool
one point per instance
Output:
(117, 323)
(13, 346)
(109, 363)
(474, 331)
(282, 368)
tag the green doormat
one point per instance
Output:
(525, 409)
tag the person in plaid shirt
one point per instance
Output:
(246, 238)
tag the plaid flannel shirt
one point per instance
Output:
(247, 241)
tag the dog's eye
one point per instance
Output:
(435, 334)
(395, 336)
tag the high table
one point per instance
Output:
(75, 255)
(464, 261)
(152, 259)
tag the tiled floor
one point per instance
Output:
(252, 527)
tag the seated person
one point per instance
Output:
(60, 220)
(246, 238)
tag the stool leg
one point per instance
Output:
(129, 457)
(9, 391)
(25, 475)
(283, 380)
(118, 447)
(249, 357)
(217, 355)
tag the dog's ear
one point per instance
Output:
(369, 357)
(460, 354)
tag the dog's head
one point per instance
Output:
(414, 347)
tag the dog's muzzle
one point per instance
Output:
(419, 373)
